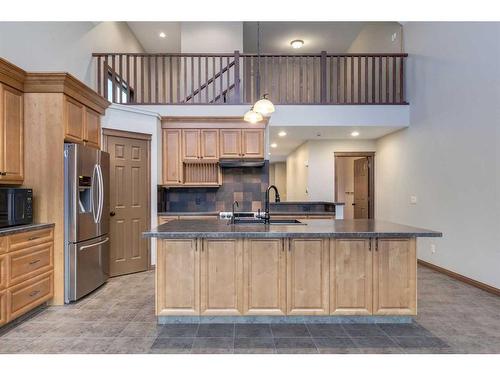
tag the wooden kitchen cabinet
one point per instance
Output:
(351, 276)
(241, 143)
(92, 128)
(264, 274)
(11, 135)
(190, 144)
(3, 272)
(230, 143)
(81, 124)
(178, 277)
(307, 276)
(200, 144)
(209, 139)
(3, 307)
(395, 276)
(222, 277)
(172, 158)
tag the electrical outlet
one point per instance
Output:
(394, 36)
(433, 248)
(413, 199)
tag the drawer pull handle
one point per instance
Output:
(33, 238)
(34, 261)
(34, 293)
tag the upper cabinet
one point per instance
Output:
(11, 135)
(81, 124)
(230, 143)
(172, 160)
(242, 143)
(209, 144)
(92, 130)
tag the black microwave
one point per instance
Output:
(16, 207)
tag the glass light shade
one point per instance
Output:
(252, 116)
(264, 106)
(297, 43)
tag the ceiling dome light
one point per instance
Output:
(274, 145)
(264, 106)
(354, 134)
(162, 35)
(252, 116)
(297, 43)
(282, 133)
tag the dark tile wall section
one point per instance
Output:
(246, 185)
(302, 207)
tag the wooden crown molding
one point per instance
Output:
(12, 75)
(67, 84)
(201, 122)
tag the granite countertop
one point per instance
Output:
(274, 213)
(308, 203)
(24, 228)
(361, 228)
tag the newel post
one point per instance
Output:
(237, 93)
(323, 78)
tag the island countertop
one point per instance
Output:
(360, 228)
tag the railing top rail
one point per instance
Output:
(103, 54)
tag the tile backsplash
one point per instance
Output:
(246, 185)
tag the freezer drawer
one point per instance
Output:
(87, 267)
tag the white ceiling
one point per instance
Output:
(296, 135)
(147, 33)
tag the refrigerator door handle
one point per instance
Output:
(94, 244)
(94, 195)
(101, 193)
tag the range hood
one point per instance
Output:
(238, 163)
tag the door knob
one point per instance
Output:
(112, 213)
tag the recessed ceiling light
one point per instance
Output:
(274, 145)
(297, 43)
(162, 35)
(282, 133)
(354, 133)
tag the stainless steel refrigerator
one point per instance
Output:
(86, 208)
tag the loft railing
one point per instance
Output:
(175, 78)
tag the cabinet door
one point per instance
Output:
(351, 277)
(253, 143)
(190, 144)
(222, 277)
(230, 143)
(264, 274)
(92, 127)
(74, 118)
(178, 277)
(395, 276)
(3, 272)
(172, 163)
(209, 144)
(11, 135)
(3, 307)
(307, 276)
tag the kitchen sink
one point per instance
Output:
(271, 222)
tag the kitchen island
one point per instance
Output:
(322, 270)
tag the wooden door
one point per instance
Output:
(222, 277)
(190, 144)
(172, 158)
(307, 276)
(11, 135)
(92, 128)
(73, 120)
(209, 144)
(361, 188)
(230, 143)
(351, 277)
(264, 274)
(252, 143)
(395, 277)
(129, 204)
(178, 277)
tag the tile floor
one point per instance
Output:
(119, 318)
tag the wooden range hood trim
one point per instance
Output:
(209, 122)
(67, 84)
(12, 75)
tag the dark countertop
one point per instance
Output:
(361, 228)
(309, 203)
(24, 228)
(274, 213)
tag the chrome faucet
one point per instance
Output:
(267, 216)
(233, 217)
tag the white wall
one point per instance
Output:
(376, 37)
(297, 174)
(277, 177)
(450, 155)
(211, 37)
(125, 118)
(64, 46)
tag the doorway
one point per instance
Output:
(130, 201)
(354, 183)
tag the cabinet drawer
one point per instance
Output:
(3, 307)
(28, 295)
(3, 245)
(24, 264)
(3, 272)
(28, 239)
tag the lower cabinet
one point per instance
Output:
(222, 277)
(3, 307)
(307, 276)
(29, 294)
(395, 277)
(351, 277)
(264, 276)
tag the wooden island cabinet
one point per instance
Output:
(286, 276)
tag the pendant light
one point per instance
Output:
(263, 106)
